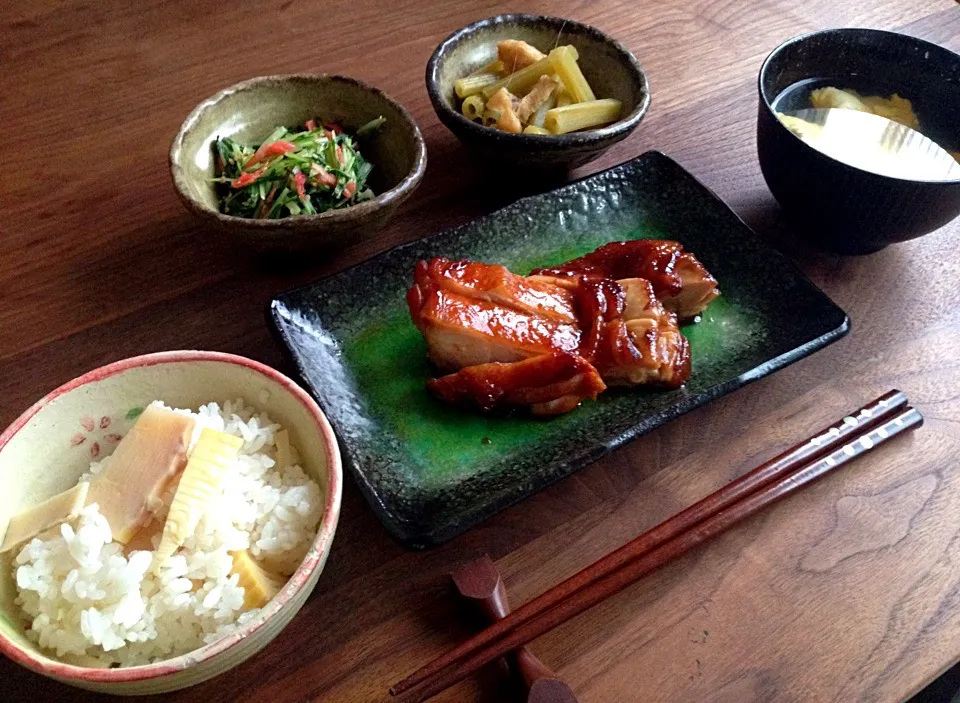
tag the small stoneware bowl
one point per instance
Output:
(250, 111)
(48, 447)
(836, 206)
(611, 70)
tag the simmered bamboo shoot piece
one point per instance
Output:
(50, 513)
(259, 585)
(202, 481)
(153, 451)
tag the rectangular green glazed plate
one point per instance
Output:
(431, 471)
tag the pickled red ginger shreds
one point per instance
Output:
(89, 602)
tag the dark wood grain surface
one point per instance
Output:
(848, 591)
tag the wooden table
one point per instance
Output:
(848, 591)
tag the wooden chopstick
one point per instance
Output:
(818, 445)
(865, 433)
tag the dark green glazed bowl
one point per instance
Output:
(249, 111)
(609, 67)
(836, 206)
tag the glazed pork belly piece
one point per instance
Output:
(634, 340)
(474, 313)
(549, 384)
(679, 280)
(542, 342)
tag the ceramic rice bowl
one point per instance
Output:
(50, 445)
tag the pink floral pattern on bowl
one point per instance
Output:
(93, 429)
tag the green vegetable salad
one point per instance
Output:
(293, 173)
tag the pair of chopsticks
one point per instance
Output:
(856, 434)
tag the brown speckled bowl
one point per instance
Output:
(611, 70)
(249, 111)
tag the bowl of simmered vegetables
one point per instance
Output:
(535, 91)
(297, 162)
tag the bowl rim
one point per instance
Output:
(321, 543)
(545, 142)
(396, 194)
(767, 102)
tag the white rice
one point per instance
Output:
(88, 602)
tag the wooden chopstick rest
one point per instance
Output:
(480, 582)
